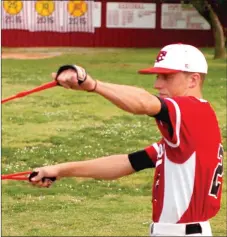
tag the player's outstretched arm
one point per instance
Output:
(129, 98)
(107, 168)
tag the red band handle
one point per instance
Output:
(17, 176)
(36, 89)
(26, 175)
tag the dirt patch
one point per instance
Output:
(9, 55)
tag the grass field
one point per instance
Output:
(59, 125)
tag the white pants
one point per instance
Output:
(166, 229)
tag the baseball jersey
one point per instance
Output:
(188, 175)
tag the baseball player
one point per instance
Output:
(188, 160)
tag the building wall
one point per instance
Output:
(109, 37)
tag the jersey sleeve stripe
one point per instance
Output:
(177, 125)
(155, 145)
(159, 162)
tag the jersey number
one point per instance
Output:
(218, 172)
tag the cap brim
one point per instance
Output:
(157, 70)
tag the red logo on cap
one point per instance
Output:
(161, 56)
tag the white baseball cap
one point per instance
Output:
(178, 58)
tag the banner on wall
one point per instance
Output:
(15, 14)
(131, 15)
(77, 16)
(50, 15)
(97, 14)
(182, 16)
(45, 16)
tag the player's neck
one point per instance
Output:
(198, 95)
(195, 93)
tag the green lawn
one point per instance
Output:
(60, 125)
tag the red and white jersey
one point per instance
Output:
(188, 177)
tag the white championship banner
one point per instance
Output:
(97, 14)
(77, 16)
(15, 14)
(131, 15)
(45, 16)
(182, 16)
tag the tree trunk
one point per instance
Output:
(206, 10)
(218, 33)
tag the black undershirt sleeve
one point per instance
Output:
(163, 116)
(140, 160)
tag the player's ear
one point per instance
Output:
(193, 80)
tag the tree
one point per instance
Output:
(214, 11)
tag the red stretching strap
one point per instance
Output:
(36, 89)
(17, 176)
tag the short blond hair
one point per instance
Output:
(202, 77)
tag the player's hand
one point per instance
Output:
(45, 176)
(75, 79)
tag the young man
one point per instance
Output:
(188, 159)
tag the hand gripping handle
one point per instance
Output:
(33, 174)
